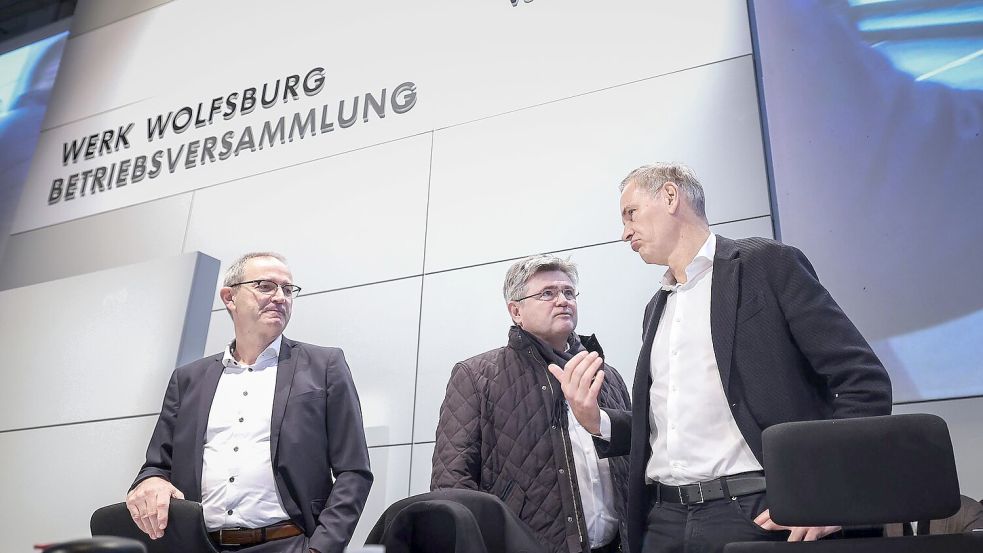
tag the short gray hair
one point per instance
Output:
(235, 271)
(652, 177)
(521, 271)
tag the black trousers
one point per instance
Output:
(706, 527)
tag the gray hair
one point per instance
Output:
(235, 271)
(521, 271)
(653, 177)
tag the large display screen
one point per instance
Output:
(874, 117)
(26, 77)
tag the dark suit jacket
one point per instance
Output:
(316, 431)
(784, 348)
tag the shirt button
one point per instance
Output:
(236, 448)
(232, 479)
(229, 512)
(561, 471)
(245, 393)
(250, 369)
(241, 419)
(544, 388)
(569, 519)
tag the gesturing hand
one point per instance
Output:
(581, 380)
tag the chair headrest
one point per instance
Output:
(871, 470)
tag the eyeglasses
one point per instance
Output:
(550, 294)
(268, 287)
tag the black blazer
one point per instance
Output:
(785, 351)
(316, 430)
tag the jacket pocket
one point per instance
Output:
(513, 497)
(751, 307)
(317, 506)
(311, 395)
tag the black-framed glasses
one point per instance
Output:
(268, 287)
(550, 294)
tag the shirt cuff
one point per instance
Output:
(605, 433)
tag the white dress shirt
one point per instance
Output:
(594, 480)
(237, 485)
(694, 436)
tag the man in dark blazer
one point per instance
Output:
(741, 336)
(256, 433)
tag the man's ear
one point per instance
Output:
(228, 298)
(671, 192)
(514, 312)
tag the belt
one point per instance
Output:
(693, 494)
(255, 536)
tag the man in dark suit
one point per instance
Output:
(256, 433)
(741, 336)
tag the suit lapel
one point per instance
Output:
(286, 365)
(209, 384)
(643, 370)
(724, 294)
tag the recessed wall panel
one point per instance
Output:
(559, 187)
(376, 326)
(139, 233)
(79, 468)
(100, 345)
(346, 220)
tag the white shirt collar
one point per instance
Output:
(272, 351)
(701, 263)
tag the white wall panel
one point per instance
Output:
(134, 69)
(558, 188)
(105, 345)
(376, 326)
(391, 469)
(139, 233)
(464, 313)
(342, 221)
(474, 59)
(60, 475)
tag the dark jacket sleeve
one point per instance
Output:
(349, 456)
(829, 340)
(457, 453)
(620, 443)
(161, 449)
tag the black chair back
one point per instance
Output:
(102, 544)
(864, 471)
(453, 521)
(185, 530)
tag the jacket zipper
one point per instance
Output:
(566, 457)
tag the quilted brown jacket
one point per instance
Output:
(503, 430)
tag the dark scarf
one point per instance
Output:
(550, 355)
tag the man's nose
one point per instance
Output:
(279, 295)
(627, 233)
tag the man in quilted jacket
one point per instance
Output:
(505, 428)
